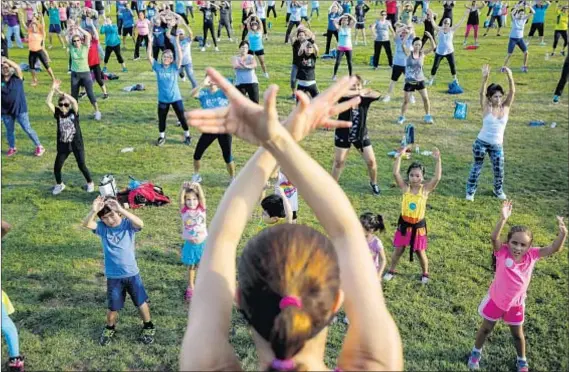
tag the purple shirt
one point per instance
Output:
(11, 20)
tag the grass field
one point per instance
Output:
(52, 268)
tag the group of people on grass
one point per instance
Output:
(288, 312)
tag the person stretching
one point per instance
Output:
(344, 25)
(519, 19)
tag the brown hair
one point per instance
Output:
(519, 228)
(288, 260)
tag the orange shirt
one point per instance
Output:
(35, 39)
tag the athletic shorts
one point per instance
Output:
(342, 140)
(396, 72)
(519, 42)
(54, 29)
(490, 311)
(411, 87)
(496, 18)
(536, 27)
(360, 26)
(257, 52)
(118, 288)
(126, 31)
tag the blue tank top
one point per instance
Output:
(255, 41)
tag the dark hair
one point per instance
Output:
(519, 228)
(244, 42)
(288, 260)
(416, 165)
(274, 206)
(492, 89)
(103, 212)
(415, 39)
(372, 222)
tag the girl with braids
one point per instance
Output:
(292, 279)
(412, 226)
(372, 223)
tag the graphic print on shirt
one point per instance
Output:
(194, 222)
(355, 129)
(115, 238)
(67, 128)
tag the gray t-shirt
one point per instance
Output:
(246, 75)
(381, 30)
(414, 68)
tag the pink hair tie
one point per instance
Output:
(290, 301)
(283, 365)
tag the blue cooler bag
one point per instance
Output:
(460, 110)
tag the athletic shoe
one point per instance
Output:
(267, 75)
(470, 197)
(39, 151)
(552, 54)
(12, 151)
(203, 49)
(160, 141)
(476, 44)
(375, 188)
(543, 43)
(347, 321)
(124, 69)
(216, 49)
(334, 78)
(424, 278)
(16, 364)
(97, 115)
(207, 45)
(90, 187)
(501, 196)
(412, 99)
(464, 43)
(474, 360)
(136, 59)
(105, 96)
(429, 119)
(105, 69)
(147, 335)
(197, 178)
(231, 39)
(390, 275)
(106, 336)
(556, 99)
(188, 294)
(498, 35)
(522, 365)
(401, 120)
(82, 94)
(430, 81)
(69, 71)
(57, 189)
(184, 78)
(386, 99)
(188, 140)
(524, 69)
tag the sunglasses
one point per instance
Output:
(76, 40)
(64, 104)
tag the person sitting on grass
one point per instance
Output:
(292, 278)
(276, 210)
(117, 228)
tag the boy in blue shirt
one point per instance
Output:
(117, 237)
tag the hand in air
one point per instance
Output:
(113, 204)
(506, 211)
(562, 227)
(486, 70)
(98, 204)
(436, 153)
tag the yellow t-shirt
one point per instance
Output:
(6, 302)
(413, 206)
(561, 21)
(262, 225)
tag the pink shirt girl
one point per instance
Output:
(63, 14)
(194, 224)
(375, 247)
(142, 27)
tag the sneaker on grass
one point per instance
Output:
(147, 335)
(106, 336)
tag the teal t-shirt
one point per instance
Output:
(111, 32)
(54, 16)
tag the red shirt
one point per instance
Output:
(391, 6)
(93, 57)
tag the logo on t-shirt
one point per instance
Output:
(509, 262)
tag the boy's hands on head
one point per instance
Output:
(98, 204)
(114, 205)
(506, 210)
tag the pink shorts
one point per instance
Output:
(421, 242)
(490, 311)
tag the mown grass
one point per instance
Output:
(52, 268)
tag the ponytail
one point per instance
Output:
(291, 329)
(379, 225)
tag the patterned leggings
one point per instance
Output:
(496, 153)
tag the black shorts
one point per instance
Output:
(397, 71)
(534, 27)
(257, 52)
(127, 31)
(342, 140)
(305, 18)
(33, 58)
(360, 26)
(496, 18)
(411, 87)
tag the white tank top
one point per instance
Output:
(492, 131)
(444, 46)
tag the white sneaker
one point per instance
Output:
(267, 75)
(90, 187)
(216, 49)
(197, 178)
(469, 197)
(98, 115)
(203, 49)
(57, 189)
(424, 279)
(231, 39)
(346, 320)
(430, 81)
(387, 277)
(412, 99)
(501, 196)
(334, 78)
(386, 99)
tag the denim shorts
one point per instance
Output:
(519, 42)
(118, 288)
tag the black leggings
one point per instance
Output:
(96, 70)
(564, 77)
(206, 139)
(245, 32)
(156, 50)
(79, 153)
(417, 3)
(185, 17)
(377, 52)
(83, 79)
(163, 109)
(250, 90)
(269, 11)
(264, 22)
(117, 50)
(329, 34)
(348, 54)
(556, 36)
(438, 58)
(392, 18)
(208, 26)
(312, 90)
(224, 22)
(291, 24)
(191, 10)
(139, 40)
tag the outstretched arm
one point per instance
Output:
(459, 23)
(49, 99)
(433, 44)
(397, 170)
(512, 89)
(559, 241)
(482, 94)
(505, 213)
(149, 55)
(432, 184)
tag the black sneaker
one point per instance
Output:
(188, 140)
(106, 336)
(160, 141)
(105, 96)
(375, 188)
(147, 335)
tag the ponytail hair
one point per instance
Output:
(372, 222)
(289, 281)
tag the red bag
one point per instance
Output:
(147, 194)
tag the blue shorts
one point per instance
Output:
(519, 42)
(117, 289)
(192, 253)
(55, 29)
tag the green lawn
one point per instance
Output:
(52, 268)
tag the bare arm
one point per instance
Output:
(433, 44)
(559, 241)
(149, 55)
(432, 184)
(397, 171)
(178, 53)
(512, 89)
(459, 23)
(201, 195)
(15, 66)
(182, 194)
(49, 100)
(134, 220)
(89, 221)
(483, 87)
(505, 213)
(286, 204)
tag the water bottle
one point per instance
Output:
(417, 151)
(427, 153)
(547, 56)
